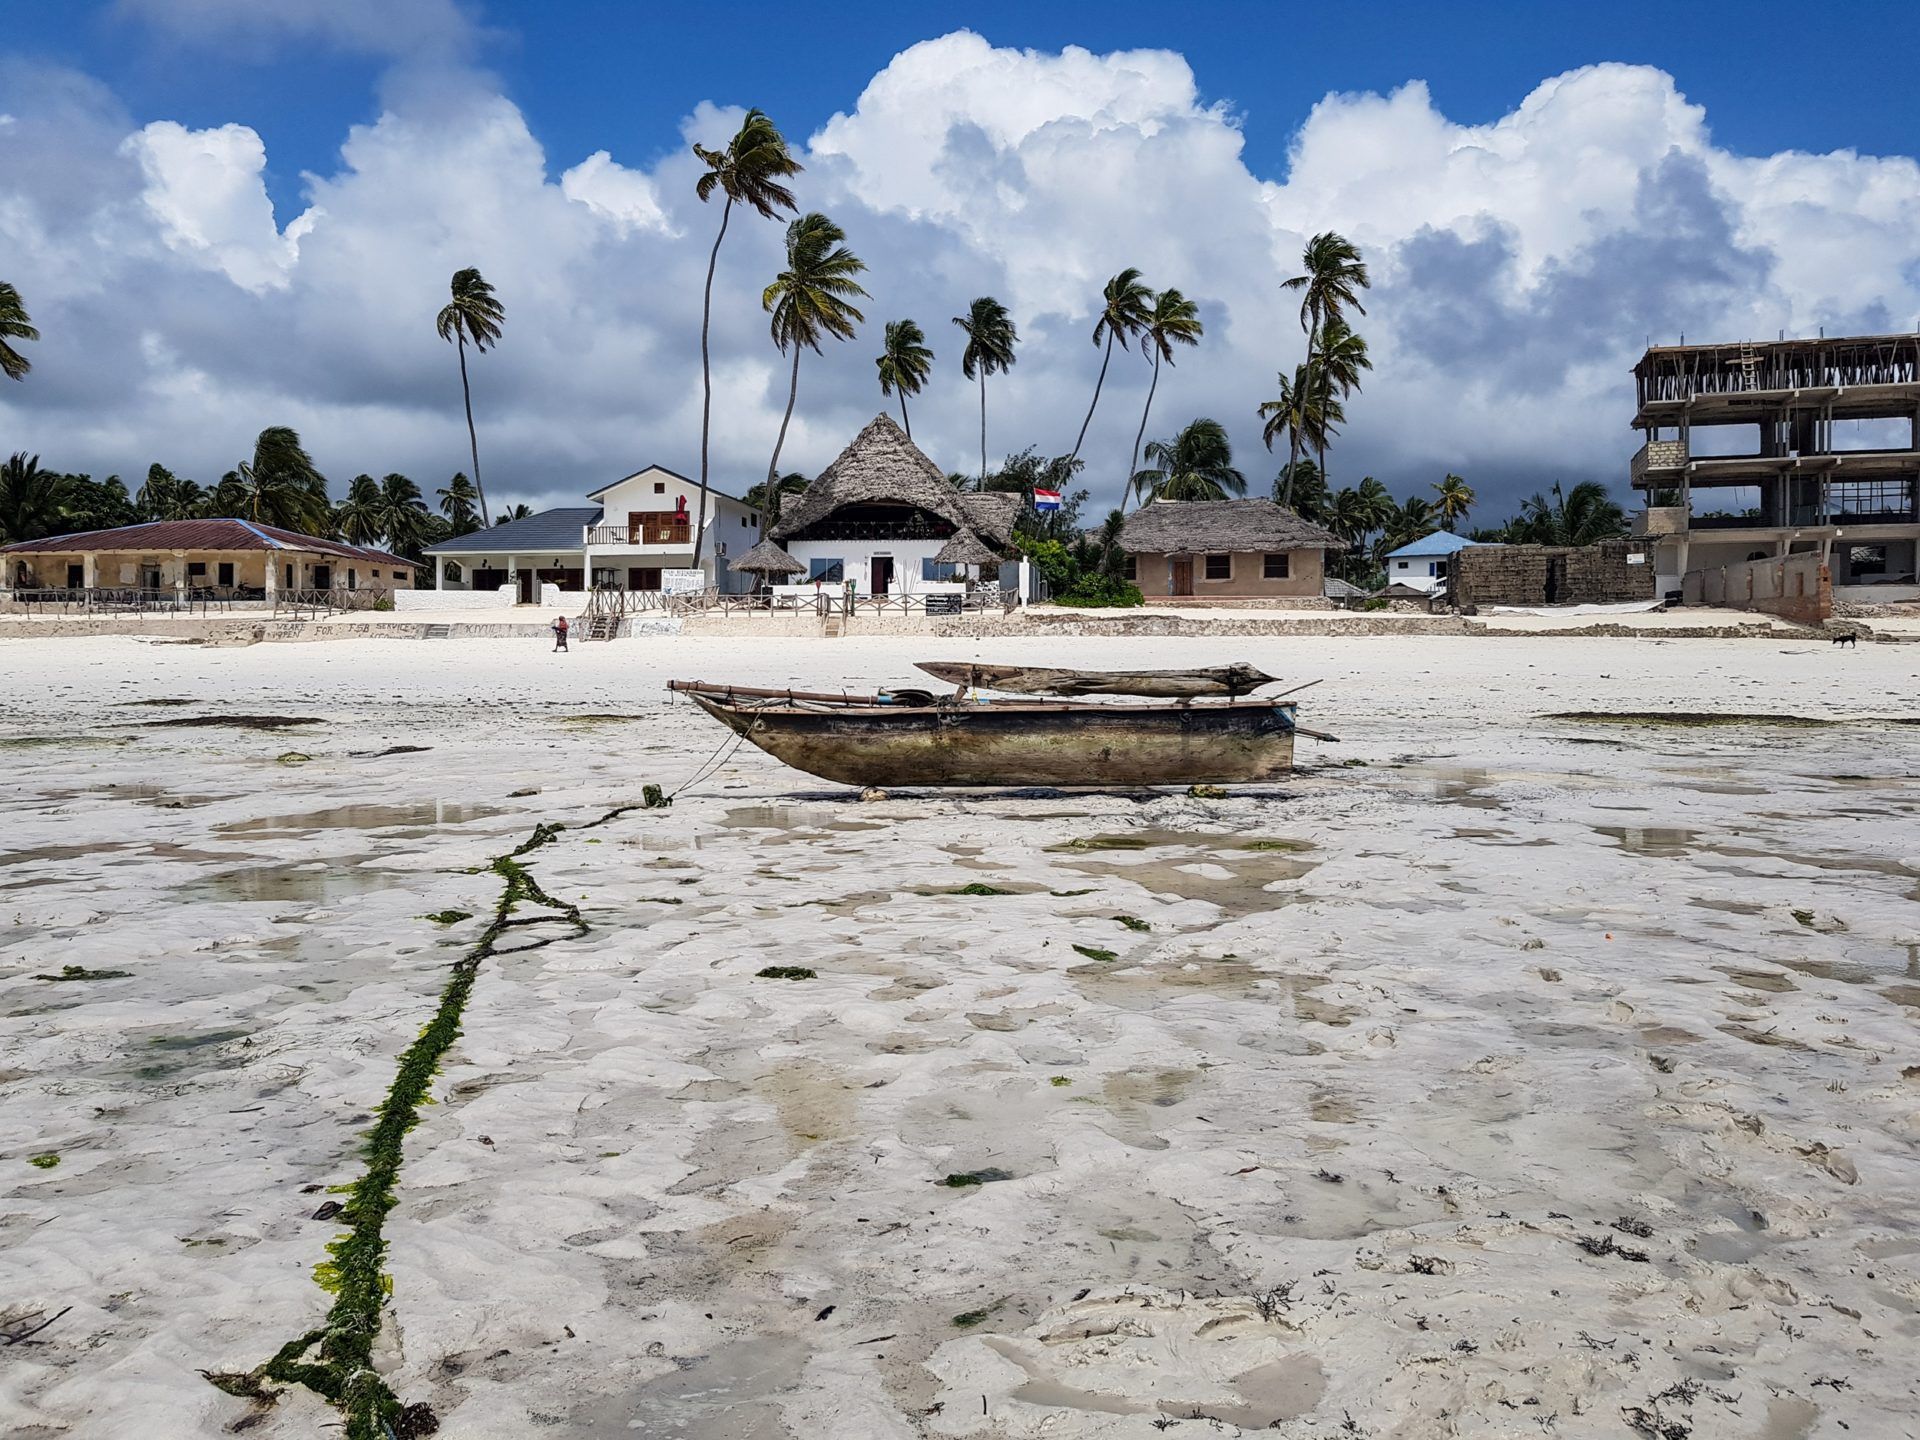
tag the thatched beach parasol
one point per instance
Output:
(966, 548)
(768, 559)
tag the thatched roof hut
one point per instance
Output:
(966, 548)
(767, 558)
(1199, 527)
(882, 467)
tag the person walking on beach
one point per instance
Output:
(560, 633)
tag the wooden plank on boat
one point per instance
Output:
(1158, 684)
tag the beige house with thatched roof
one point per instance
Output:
(885, 519)
(1224, 549)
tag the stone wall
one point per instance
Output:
(1607, 573)
(1795, 587)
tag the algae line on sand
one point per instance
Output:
(335, 1360)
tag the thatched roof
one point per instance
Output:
(883, 466)
(966, 548)
(767, 558)
(1199, 527)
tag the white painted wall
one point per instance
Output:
(858, 556)
(452, 599)
(1416, 571)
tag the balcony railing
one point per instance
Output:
(668, 534)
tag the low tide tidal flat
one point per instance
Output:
(1529, 1064)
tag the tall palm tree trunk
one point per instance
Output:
(983, 427)
(1133, 465)
(903, 413)
(1096, 401)
(706, 380)
(473, 439)
(793, 390)
(1300, 404)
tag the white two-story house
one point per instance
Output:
(635, 535)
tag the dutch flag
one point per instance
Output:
(1044, 500)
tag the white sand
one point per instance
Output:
(1524, 979)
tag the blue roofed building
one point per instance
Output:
(1425, 564)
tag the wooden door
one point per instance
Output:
(1182, 575)
(882, 576)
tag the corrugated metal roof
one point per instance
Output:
(557, 531)
(1438, 543)
(222, 534)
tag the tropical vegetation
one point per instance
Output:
(810, 301)
(904, 364)
(14, 325)
(1329, 287)
(1173, 320)
(991, 336)
(473, 316)
(748, 170)
(1196, 464)
(1126, 306)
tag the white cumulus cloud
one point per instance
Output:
(206, 189)
(1519, 266)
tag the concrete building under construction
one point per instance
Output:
(1761, 451)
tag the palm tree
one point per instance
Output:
(280, 485)
(1456, 498)
(1306, 412)
(227, 497)
(358, 518)
(990, 340)
(14, 325)
(1581, 516)
(1174, 320)
(1126, 306)
(521, 511)
(1343, 355)
(473, 314)
(769, 498)
(811, 300)
(459, 502)
(1412, 520)
(904, 364)
(1334, 277)
(403, 515)
(1376, 505)
(1197, 464)
(748, 170)
(1308, 487)
(166, 496)
(32, 500)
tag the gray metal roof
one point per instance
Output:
(557, 531)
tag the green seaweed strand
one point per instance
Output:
(341, 1370)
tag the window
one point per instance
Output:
(1274, 567)
(1130, 568)
(1432, 568)
(1401, 564)
(1867, 559)
(353, 580)
(831, 572)
(659, 487)
(743, 522)
(931, 569)
(196, 569)
(453, 570)
(1219, 567)
(226, 574)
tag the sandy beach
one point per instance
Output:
(1501, 1075)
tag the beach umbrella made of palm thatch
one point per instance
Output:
(966, 548)
(767, 558)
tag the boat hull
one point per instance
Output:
(1013, 744)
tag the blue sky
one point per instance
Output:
(1539, 190)
(610, 73)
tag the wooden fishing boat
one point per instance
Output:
(906, 738)
(1228, 680)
